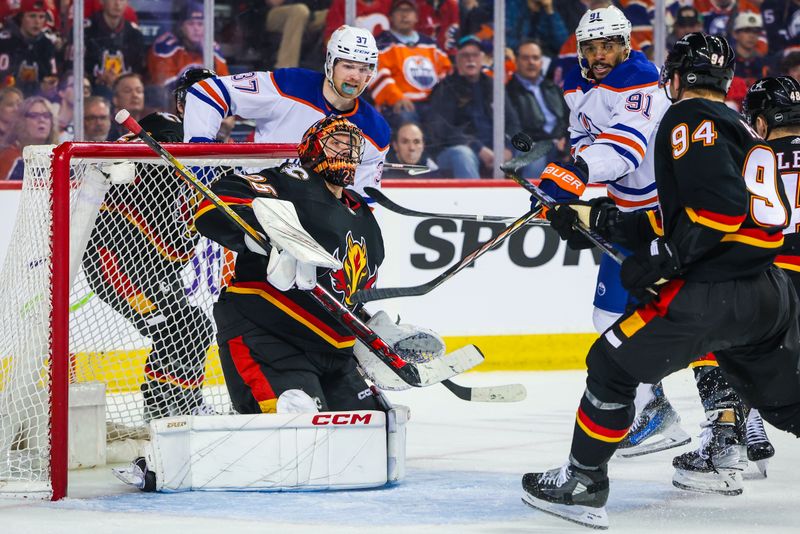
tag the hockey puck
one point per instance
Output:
(522, 142)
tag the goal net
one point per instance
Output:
(108, 283)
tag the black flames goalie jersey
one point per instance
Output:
(721, 200)
(344, 227)
(787, 154)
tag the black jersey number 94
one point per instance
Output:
(760, 170)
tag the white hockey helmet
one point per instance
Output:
(602, 23)
(353, 44)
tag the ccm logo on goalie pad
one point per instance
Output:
(341, 419)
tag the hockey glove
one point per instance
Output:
(649, 265)
(562, 182)
(595, 214)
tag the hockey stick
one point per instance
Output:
(379, 293)
(386, 202)
(411, 170)
(512, 171)
(504, 393)
(415, 374)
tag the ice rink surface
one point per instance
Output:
(464, 463)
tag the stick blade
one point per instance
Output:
(449, 365)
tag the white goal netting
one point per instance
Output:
(142, 285)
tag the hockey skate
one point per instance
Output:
(759, 449)
(657, 428)
(717, 466)
(571, 493)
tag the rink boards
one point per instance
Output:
(527, 304)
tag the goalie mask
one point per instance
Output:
(332, 147)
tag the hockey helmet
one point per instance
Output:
(701, 61)
(776, 99)
(338, 164)
(353, 44)
(188, 79)
(603, 23)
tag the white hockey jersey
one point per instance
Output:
(612, 125)
(283, 104)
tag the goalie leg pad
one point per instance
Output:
(311, 451)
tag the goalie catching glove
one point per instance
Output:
(412, 343)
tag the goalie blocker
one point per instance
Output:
(285, 451)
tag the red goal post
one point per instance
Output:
(47, 208)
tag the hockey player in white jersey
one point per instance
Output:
(285, 102)
(615, 109)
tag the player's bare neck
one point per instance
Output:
(337, 190)
(704, 94)
(339, 103)
(777, 133)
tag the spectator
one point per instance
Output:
(128, 93)
(719, 15)
(27, 56)
(528, 18)
(10, 99)
(687, 20)
(790, 66)
(66, 107)
(96, 119)
(409, 66)
(371, 15)
(571, 12)
(538, 107)
(439, 19)
(114, 46)
(781, 21)
(172, 54)
(461, 115)
(750, 62)
(33, 125)
(290, 19)
(408, 148)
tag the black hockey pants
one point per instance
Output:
(259, 366)
(751, 325)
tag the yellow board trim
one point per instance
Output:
(595, 435)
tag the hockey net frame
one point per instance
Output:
(64, 159)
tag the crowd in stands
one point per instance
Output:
(433, 85)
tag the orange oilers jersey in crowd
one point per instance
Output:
(168, 59)
(612, 125)
(409, 71)
(283, 103)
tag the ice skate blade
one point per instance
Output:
(723, 482)
(595, 518)
(675, 438)
(762, 466)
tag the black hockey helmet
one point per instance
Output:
(702, 61)
(776, 99)
(188, 79)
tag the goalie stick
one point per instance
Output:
(379, 293)
(386, 202)
(415, 374)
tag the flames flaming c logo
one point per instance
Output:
(354, 274)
